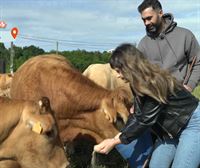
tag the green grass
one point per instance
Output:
(196, 92)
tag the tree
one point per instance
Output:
(18, 52)
(81, 59)
(4, 53)
(31, 51)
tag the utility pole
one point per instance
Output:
(56, 47)
(12, 54)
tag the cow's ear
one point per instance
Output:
(44, 104)
(107, 105)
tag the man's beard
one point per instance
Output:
(153, 28)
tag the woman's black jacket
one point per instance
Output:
(166, 120)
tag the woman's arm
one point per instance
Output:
(137, 123)
(107, 145)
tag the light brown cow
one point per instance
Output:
(105, 76)
(5, 82)
(29, 136)
(81, 106)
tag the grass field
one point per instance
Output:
(196, 92)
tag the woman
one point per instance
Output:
(162, 104)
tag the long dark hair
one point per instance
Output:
(145, 78)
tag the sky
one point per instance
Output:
(92, 25)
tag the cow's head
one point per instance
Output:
(5, 83)
(116, 106)
(36, 136)
(5, 80)
(40, 118)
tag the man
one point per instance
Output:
(172, 47)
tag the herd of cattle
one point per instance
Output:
(50, 104)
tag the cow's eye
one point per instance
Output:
(50, 133)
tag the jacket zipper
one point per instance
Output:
(169, 134)
(161, 58)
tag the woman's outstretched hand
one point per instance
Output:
(107, 145)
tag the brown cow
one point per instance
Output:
(105, 76)
(81, 106)
(5, 82)
(29, 136)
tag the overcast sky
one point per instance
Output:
(87, 24)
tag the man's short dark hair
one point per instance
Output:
(155, 4)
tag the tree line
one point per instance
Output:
(81, 59)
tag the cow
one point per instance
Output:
(29, 135)
(105, 76)
(5, 82)
(82, 108)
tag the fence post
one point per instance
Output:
(56, 47)
(12, 54)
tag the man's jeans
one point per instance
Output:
(137, 151)
(185, 151)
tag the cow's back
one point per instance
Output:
(105, 76)
(100, 74)
(53, 76)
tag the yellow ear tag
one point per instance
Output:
(37, 128)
